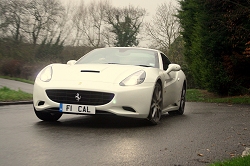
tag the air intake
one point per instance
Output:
(128, 109)
(87, 97)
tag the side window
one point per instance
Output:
(165, 61)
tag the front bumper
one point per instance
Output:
(128, 101)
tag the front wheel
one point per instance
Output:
(156, 105)
(48, 116)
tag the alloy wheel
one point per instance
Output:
(156, 105)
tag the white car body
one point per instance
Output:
(133, 101)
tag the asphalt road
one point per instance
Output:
(16, 85)
(205, 133)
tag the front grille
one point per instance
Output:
(86, 97)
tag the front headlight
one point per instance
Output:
(46, 74)
(134, 79)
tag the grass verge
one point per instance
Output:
(7, 95)
(196, 95)
(17, 79)
(239, 161)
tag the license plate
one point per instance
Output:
(73, 108)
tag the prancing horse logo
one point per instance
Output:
(78, 97)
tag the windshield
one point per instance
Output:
(124, 56)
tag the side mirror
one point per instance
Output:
(71, 62)
(173, 67)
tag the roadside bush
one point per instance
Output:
(24, 60)
(28, 72)
(11, 68)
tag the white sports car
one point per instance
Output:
(124, 81)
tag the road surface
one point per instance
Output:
(205, 133)
(16, 85)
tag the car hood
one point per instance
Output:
(111, 73)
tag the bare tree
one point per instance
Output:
(108, 37)
(125, 24)
(4, 22)
(78, 18)
(42, 15)
(89, 22)
(62, 28)
(16, 15)
(164, 27)
(96, 16)
(33, 19)
(12, 13)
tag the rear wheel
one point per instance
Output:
(182, 102)
(180, 111)
(48, 116)
(156, 105)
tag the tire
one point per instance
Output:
(180, 111)
(156, 105)
(48, 116)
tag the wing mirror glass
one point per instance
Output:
(173, 67)
(71, 62)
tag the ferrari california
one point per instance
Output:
(123, 81)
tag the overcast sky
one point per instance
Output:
(149, 5)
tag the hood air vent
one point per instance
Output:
(90, 71)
